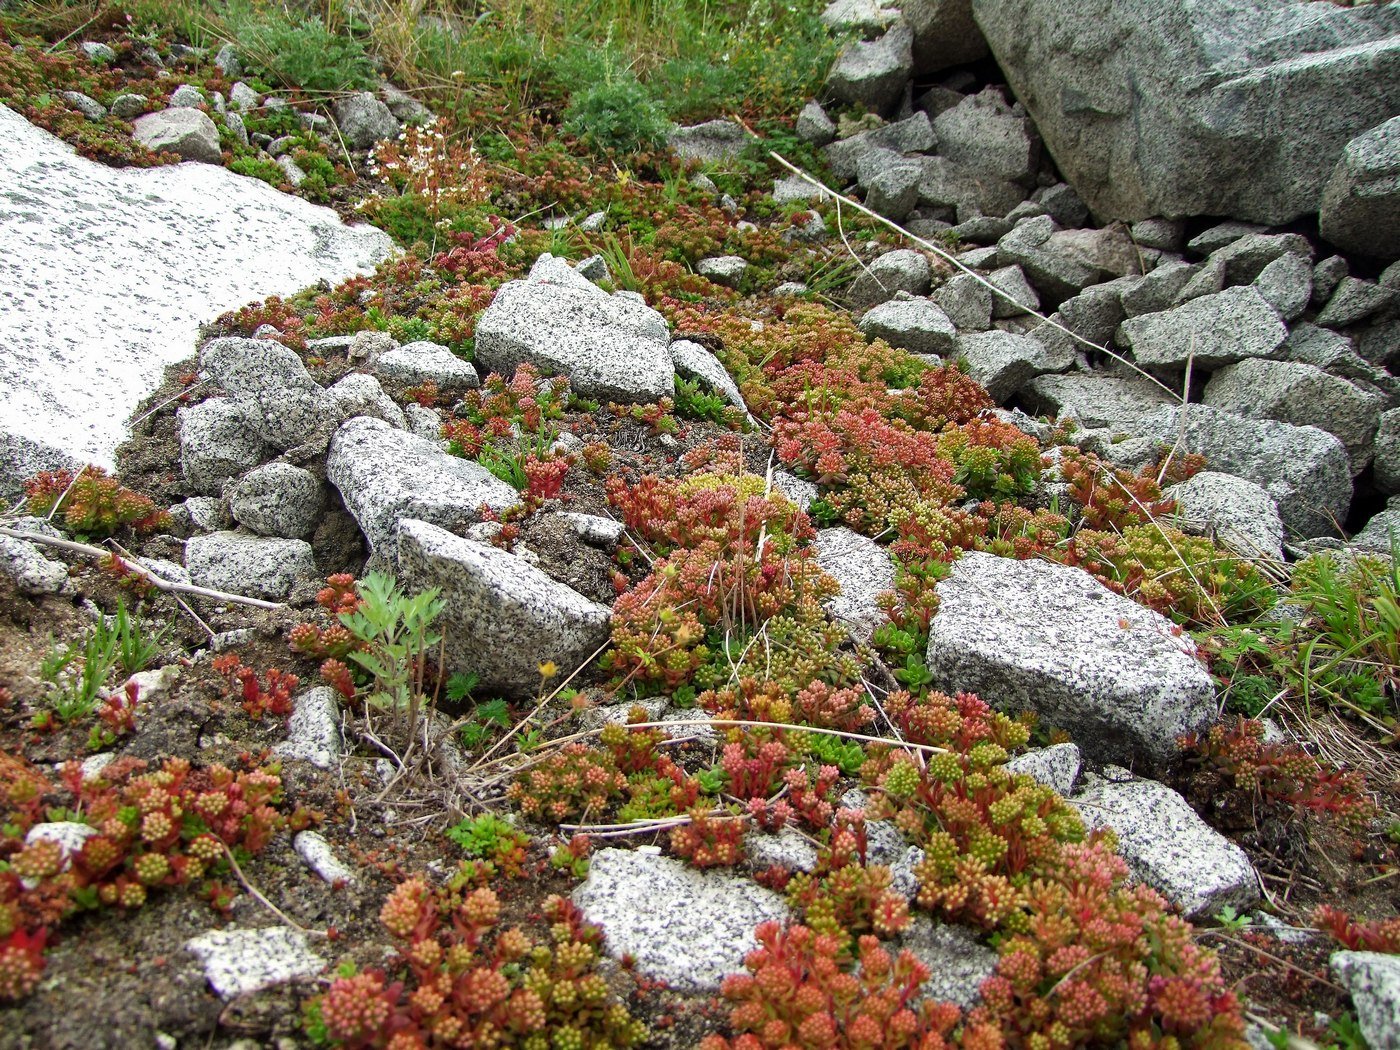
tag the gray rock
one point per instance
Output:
(364, 120)
(1003, 362)
(228, 62)
(425, 422)
(692, 361)
(1170, 848)
(794, 189)
(788, 848)
(508, 616)
(873, 74)
(313, 731)
(966, 301)
(1304, 469)
(1380, 344)
(802, 493)
(911, 135)
(1355, 300)
(867, 17)
(1303, 394)
(318, 855)
(1380, 533)
(814, 127)
(982, 229)
(714, 140)
(271, 384)
(98, 52)
(414, 364)
(593, 530)
(186, 96)
(278, 499)
(1016, 296)
(1096, 312)
(243, 98)
(1244, 258)
(1286, 284)
(255, 566)
(894, 190)
(556, 319)
(1238, 109)
(595, 268)
(945, 34)
(128, 106)
(1056, 276)
(902, 270)
(187, 132)
(916, 325)
(88, 107)
(31, 571)
(1327, 274)
(1215, 330)
(1373, 980)
(405, 108)
(1387, 452)
(1056, 766)
(358, 394)
(1109, 251)
(958, 961)
(234, 122)
(968, 192)
(1158, 290)
(206, 513)
(864, 570)
(1360, 208)
(240, 962)
(688, 928)
(21, 457)
(1237, 512)
(1027, 634)
(1163, 234)
(1095, 400)
(290, 168)
(982, 134)
(218, 440)
(1068, 209)
(385, 475)
(727, 270)
(790, 289)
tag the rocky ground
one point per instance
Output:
(919, 574)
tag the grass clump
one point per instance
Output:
(297, 50)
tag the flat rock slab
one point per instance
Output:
(1373, 979)
(106, 274)
(1050, 638)
(686, 927)
(385, 475)
(503, 617)
(864, 570)
(240, 962)
(1169, 847)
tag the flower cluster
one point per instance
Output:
(576, 780)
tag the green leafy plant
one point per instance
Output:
(490, 838)
(397, 633)
(76, 674)
(136, 648)
(616, 117)
(695, 402)
(298, 52)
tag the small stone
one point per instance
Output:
(916, 325)
(364, 120)
(88, 107)
(316, 853)
(128, 106)
(240, 962)
(788, 849)
(1213, 331)
(313, 731)
(32, 572)
(1353, 301)
(1162, 234)
(894, 190)
(1169, 847)
(359, 394)
(873, 74)
(1056, 766)
(227, 61)
(727, 270)
(253, 566)
(98, 52)
(958, 961)
(1373, 981)
(1002, 362)
(278, 499)
(814, 127)
(243, 97)
(188, 132)
(186, 96)
(1286, 284)
(966, 301)
(1238, 512)
(290, 168)
(1014, 295)
(694, 362)
(593, 530)
(1217, 237)
(864, 570)
(270, 383)
(714, 140)
(902, 270)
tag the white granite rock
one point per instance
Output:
(316, 853)
(253, 566)
(959, 963)
(240, 962)
(692, 361)
(1051, 638)
(270, 383)
(385, 475)
(1212, 331)
(506, 616)
(32, 572)
(423, 362)
(916, 325)
(361, 395)
(1373, 979)
(278, 499)
(609, 346)
(1241, 514)
(864, 570)
(182, 130)
(1169, 847)
(1056, 766)
(83, 334)
(686, 927)
(218, 440)
(313, 731)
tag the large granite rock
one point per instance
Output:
(1234, 107)
(504, 616)
(1212, 331)
(873, 73)
(945, 33)
(84, 334)
(1304, 469)
(864, 570)
(609, 346)
(270, 384)
(1050, 638)
(1373, 980)
(1361, 204)
(686, 927)
(385, 475)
